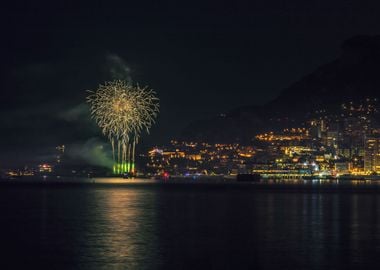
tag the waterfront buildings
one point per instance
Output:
(329, 142)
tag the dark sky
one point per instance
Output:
(201, 58)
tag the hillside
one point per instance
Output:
(353, 75)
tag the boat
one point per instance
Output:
(129, 175)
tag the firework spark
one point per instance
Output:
(123, 112)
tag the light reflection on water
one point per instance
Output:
(136, 224)
(124, 229)
(321, 182)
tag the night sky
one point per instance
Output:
(201, 58)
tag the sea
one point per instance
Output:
(114, 223)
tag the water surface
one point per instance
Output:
(145, 225)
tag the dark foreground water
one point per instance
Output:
(155, 226)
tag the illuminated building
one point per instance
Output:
(200, 157)
(343, 167)
(194, 157)
(332, 139)
(317, 128)
(372, 154)
(45, 168)
(292, 134)
(345, 152)
(60, 152)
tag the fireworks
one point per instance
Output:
(123, 111)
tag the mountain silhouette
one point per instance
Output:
(353, 76)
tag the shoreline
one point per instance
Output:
(277, 185)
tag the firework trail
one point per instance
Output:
(123, 112)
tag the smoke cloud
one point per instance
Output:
(77, 113)
(118, 68)
(93, 151)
